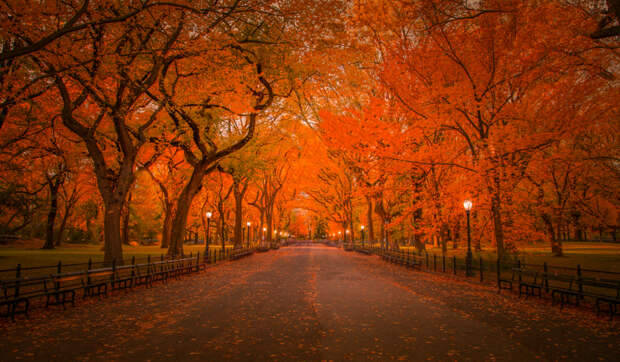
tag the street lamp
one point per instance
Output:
(346, 234)
(264, 231)
(467, 205)
(248, 224)
(339, 234)
(208, 215)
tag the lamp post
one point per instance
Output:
(249, 224)
(467, 205)
(208, 215)
(339, 234)
(362, 228)
(346, 235)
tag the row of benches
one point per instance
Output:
(240, 253)
(565, 289)
(60, 289)
(401, 258)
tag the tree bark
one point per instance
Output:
(370, 226)
(556, 244)
(183, 204)
(63, 224)
(239, 194)
(125, 230)
(496, 211)
(112, 248)
(269, 222)
(51, 215)
(167, 225)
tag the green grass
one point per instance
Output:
(589, 255)
(34, 257)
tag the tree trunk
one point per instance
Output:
(113, 249)
(63, 224)
(443, 234)
(238, 237)
(89, 229)
(167, 225)
(51, 215)
(125, 230)
(455, 235)
(496, 210)
(269, 222)
(383, 236)
(418, 242)
(184, 203)
(371, 228)
(556, 245)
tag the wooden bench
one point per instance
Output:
(612, 304)
(63, 289)
(531, 287)
(412, 262)
(363, 251)
(565, 294)
(503, 283)
(122, 278)
(141, 275)
(240, 253)
(612, 301)
(16, 294)
(96, 282)
(158, 272)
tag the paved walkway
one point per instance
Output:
(311, 303)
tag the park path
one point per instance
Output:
(311, 303)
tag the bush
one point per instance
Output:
(77, 236)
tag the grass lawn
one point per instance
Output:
(590, 255)
(70, 254)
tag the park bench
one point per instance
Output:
(158, 271)
(532, 286)
(174, 269)
(16, 294)
(400, 258)
(612, 301)
(412, 262)
(392, 257)
(122, 277)
(564, 294)
(612, 304)
(240, 253)
(573, 291)
(363, 251)
(63, 287)
(187, 265)
(95, 282)
(504, 283)
(141, 275)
